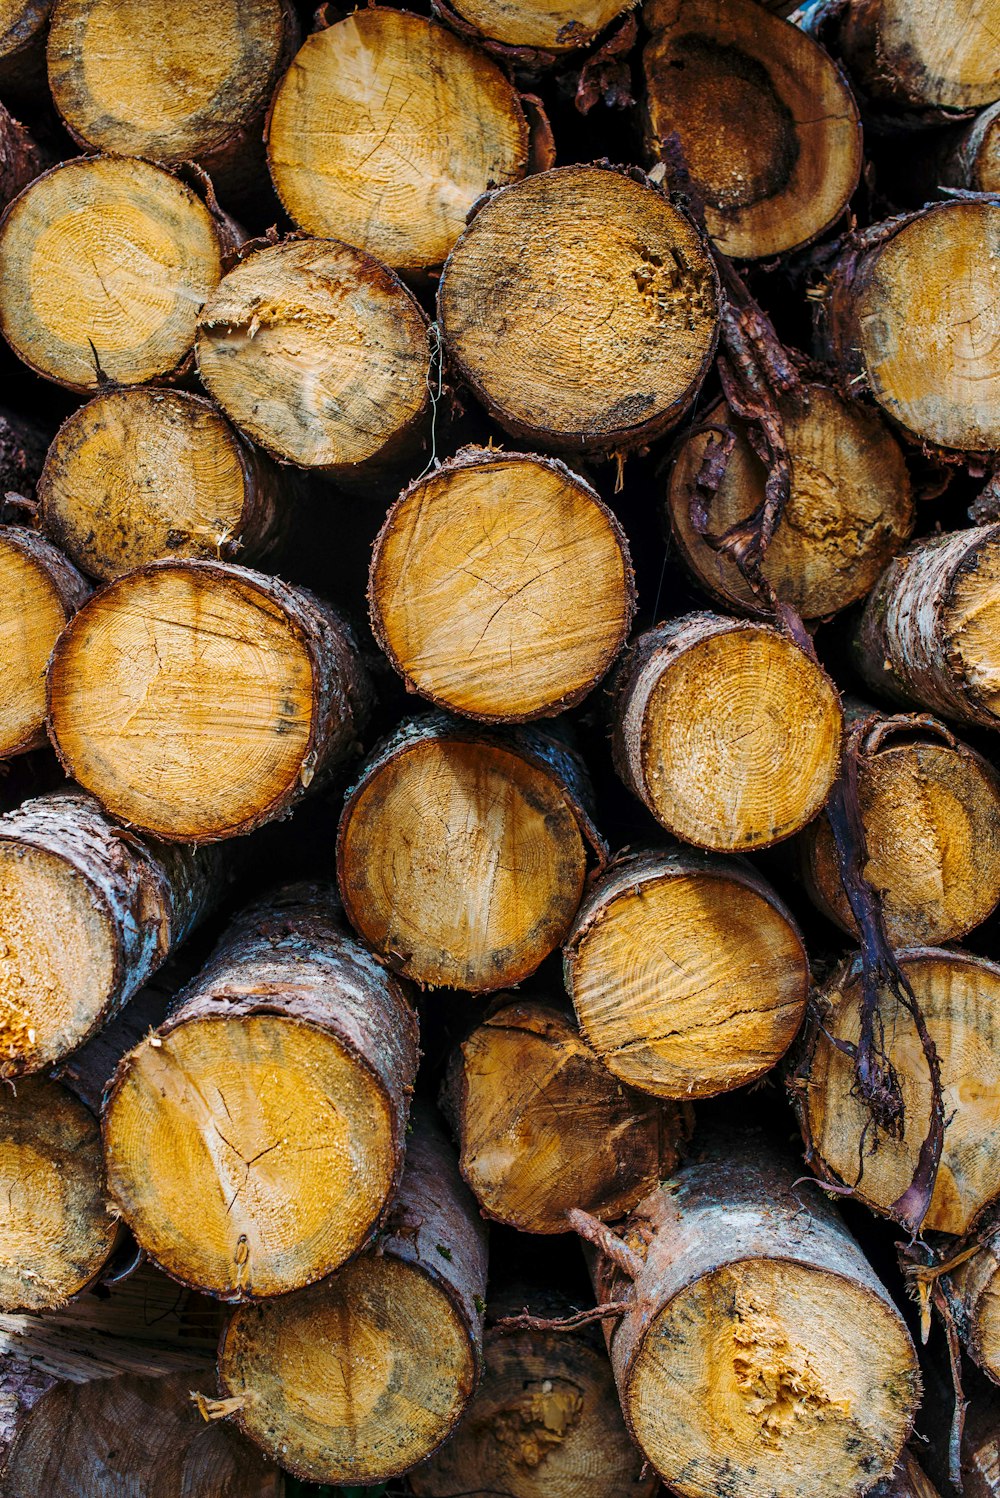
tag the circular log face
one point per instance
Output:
(470, 579)
(386, 129)
(930, 55)
(172, 90)
(768, 127)
(959, 996)
(353, 1380)
(32, 613)
(555, 25)
(582, 307)
(231, 1163)
(280, 348)
(105, 256)
(55, 1231)
(985, 173)
(21, 21)
(972, 620)
(767, 1376)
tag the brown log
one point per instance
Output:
(726, 730)
(254, 1141)
(910, 54)
(687, 973)
(929, 634)
(759, 1354)
(973, 160)
(21, 158)
(199, 700)
(462, 852)
(23, 24)
(354, 1380)
(582, 308)
(469, 579)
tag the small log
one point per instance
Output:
(39, 591)
(278, 346)
(603, 299)
(556, 27)
(911, 55)
(354, 1380)
(908, 1481)
(23, 445)
(136, 475)
(726, 730)
(88, 912)
(384, 132)
(462, 853)
(104, 266)
(543, 1126)
(23, 25)
(199, 700)
(21, 158)
(687, 973)
(929, 635)
(767, 124)
(469, 579)
(254, 1141)
(973, 161)
(898, 319)
(981, 1450)
(976, 1285)
(959, 997)
(760, 1353)
(849, 510)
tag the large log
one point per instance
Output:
(462, 852)
(104, 266)
(254, 1141)
(726, 730)
(386, 129)
(555, 27)
(199, 700)
(354, 1380)
(687, 973)
(912, 54)
(582, 307)
(469, 579)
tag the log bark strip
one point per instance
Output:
(199, 700)
(297, 1051)
(394, 1341)
(910, 54)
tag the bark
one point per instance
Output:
(972, 159)
(21, 158)
(912, 56)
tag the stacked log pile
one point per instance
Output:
(499, 776)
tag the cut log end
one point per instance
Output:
(910, 53)
(557, 26)
(38, 592)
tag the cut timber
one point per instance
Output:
(915, 54)
(470, 577)
(104, 266)
(930, 633)
(726, 730)
(981, 1450)
(976, 1284)
(22, 48)
(769, 129)
(39, 590)
(254, 1141)
(355, 1379)
(930, 807)
(199, 700)
(137, 475)
(849, 510)
(974, 160)
(88, 912)
(21, 159)
(553, 25)
(908, 1481)
(959, 996)
(462, 853)
(542, 1126)
(23, 445)
(760, 1354)
(320, 354)
(687, 973)
(582, 307)
(386, 129)
(917, 316)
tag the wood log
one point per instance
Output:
(582, 308)
(972, 160)
(930, 807)
(759, 1354)
(356, 1379)
(981, 1450)
(726, 730)
(908, 1481)
(912, 55)
(959, 996)
(976, 1286)
(898, 319)
(199, 700)
(21, 158)
(687, 973)
(254, 1142)
(556, 27)
(23, 24)
(543, 1126)
(136, 475)
(769, 129)
(929, 636)
(469, 578)
(850, 507)
(104, 266)
(384, 132)
(39, 591)
(23, 445)
(462, 853)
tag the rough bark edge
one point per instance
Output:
(21, 158)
